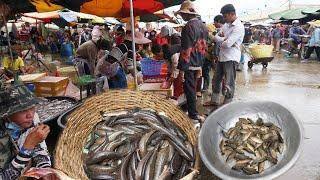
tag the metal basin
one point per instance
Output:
(226, 117)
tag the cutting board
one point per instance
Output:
(29, 78)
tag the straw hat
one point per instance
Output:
(315, 23)
(211, 28)
(138, 37)
(187, 7)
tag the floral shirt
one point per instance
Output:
(193, 45)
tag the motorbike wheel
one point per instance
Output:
(304, 52)
(265, 65)
(250, 64)
(300, 53)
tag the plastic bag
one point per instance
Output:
(72, 91)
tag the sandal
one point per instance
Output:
(210, 103)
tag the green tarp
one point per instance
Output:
(312, 10)
(289, 14)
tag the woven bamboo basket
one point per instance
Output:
(68, 154)
(261, 51)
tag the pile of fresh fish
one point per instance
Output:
(138, 144)
(251, 147)
(52, 108)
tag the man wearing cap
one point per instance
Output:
(171, 34)
(295, 31)
(21, 134)
(193, 50)
(230, 39)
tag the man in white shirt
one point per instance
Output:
(230, 37)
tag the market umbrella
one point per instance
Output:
(102, 8)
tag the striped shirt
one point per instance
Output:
(12, 161)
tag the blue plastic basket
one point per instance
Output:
(150, 67)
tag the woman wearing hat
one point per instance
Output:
(21, 134)
(120, 61)
(314, 42)
(193, 50)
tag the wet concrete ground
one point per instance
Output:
(296, 86)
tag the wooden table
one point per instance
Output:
(29, 78)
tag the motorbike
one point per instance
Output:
(299, 49)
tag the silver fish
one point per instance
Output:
(94, 158)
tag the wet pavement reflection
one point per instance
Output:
(296, 86)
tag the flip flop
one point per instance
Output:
(206, 104)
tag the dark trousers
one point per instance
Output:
(227, 70)
(189, 86)
(310, 51)
(207, 65)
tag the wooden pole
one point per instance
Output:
(8, 38)
(133, 46)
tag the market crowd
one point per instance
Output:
(106, 54)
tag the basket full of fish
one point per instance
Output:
(138, 144)
(137, 135)
(250, 140)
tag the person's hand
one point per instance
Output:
(138, 57)
(102, 66)
(50, 177)
(36, 136)
(181, 76)
(199, 73)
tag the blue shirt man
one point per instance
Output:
(295, 31)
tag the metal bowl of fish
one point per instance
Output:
(250, 140)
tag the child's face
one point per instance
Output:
(23, 119)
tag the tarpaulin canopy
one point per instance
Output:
(312, 10)
(289, 14)
(157, 16)
(45, 17)
(61, 17)
(111, 20)
(102, 8)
